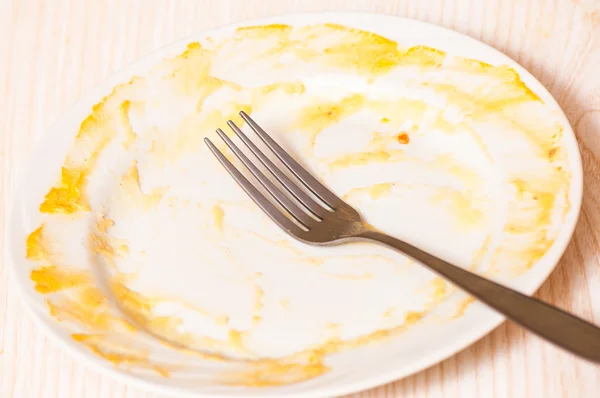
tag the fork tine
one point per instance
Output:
(316, 209)
(300, 172)
(279, 196)
(277, 216)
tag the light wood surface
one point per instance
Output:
(52, 52)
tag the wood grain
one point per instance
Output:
(51, 52)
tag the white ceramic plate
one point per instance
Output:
(435, 137)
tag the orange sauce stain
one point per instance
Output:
(403, 138)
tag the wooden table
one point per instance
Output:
(52, 52)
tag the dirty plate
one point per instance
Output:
(435, 137)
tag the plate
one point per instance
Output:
(436, 138)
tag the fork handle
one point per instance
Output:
(559, 327)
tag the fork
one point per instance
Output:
(334, 221)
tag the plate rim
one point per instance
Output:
(489, 323)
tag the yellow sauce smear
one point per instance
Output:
(440, 288)
(118, 356)
(423, 56)
(364, 51)
(288, 88)
(376, 191)
(96, 131)
(68, 196)
(467, 216)
(130, 135)
(218, 215)
(131, 191)
(462, 307)
(310, 363)
(36, 246)
(365, 158)
(89, 308)
(315, 119)
(51, 278)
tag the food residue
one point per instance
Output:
(403, 138)
(496, 95)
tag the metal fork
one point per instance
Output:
(334, 221)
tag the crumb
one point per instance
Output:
(403, 138)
